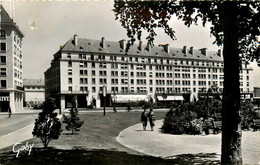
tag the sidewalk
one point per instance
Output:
(166, 145)
(17, 128)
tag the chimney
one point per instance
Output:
(204, 51)
(75, 39)
(148, 47)
(140, 46)
(191, 50)
(184, 50)
(166, 48)
(102, 44)
(122, 44)
(219, 52)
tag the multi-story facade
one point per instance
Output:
(82, 67)
(34, 92)
(11, 82)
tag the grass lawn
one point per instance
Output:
(95, 144)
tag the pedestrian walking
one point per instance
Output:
(9, 112)
(144, 119)
(151, 118)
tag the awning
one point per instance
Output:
(170, 98)
(210, 97)
(127, 98)
(245, 97)
(256, 98)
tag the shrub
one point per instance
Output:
(173, 124)
(47, 125)
(179, 121)
(73, 122)
(192, 118)
(247, 114)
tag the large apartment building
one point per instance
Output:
(83, 67)
(11, 82)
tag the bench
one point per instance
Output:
(217, 126)
(256, 124)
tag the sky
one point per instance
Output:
(55, 22)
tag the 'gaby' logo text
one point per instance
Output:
(18, 147)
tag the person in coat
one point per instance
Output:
(144, 119)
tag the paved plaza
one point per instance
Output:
(158, 144)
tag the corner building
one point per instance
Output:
(83, 67)
(11, 82)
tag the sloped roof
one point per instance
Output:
(6, 19)
(113, 47)
(33, 82)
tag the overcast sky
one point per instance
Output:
(56, 22)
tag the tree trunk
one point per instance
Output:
(231, 121)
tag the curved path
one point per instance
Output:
(166, 145)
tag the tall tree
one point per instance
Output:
(235, 25)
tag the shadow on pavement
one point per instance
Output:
(84, 156)
(200, 158)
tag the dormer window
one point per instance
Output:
(2, 33)
(69, 56)
(81, 47)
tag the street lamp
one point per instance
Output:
(104, 95)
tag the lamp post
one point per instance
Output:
(104, 95)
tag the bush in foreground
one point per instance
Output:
(194, 118)
(47, 126)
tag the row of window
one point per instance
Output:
(139, 89)
(103, 81)
(33, 87)
(143, 67)
(146, 60)
(143, 74)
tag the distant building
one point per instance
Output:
(11, 81)
(257, 96)
(34, 92)
(257, 92)
(82, 67)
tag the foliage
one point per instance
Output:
(179, 121)
(47, 125)
(73, 121)
(139, 16)
(190, 117)
(172, 123)
(145, 104)
(234, 24)
(248, 114)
